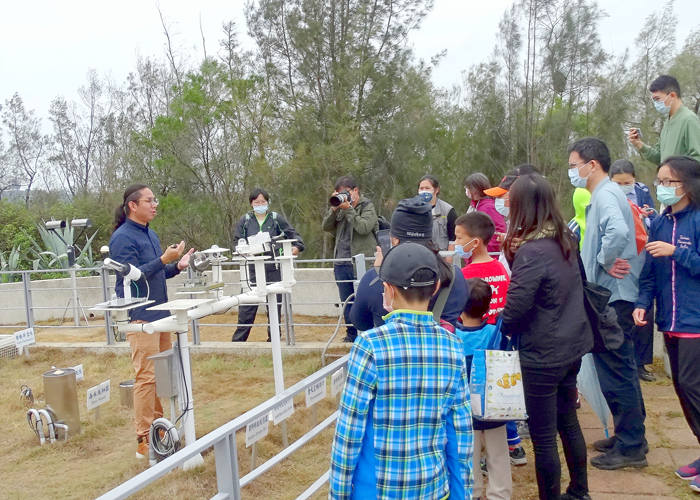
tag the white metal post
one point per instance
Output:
(187, 403)
(74, 286)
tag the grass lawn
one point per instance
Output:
(225, 386)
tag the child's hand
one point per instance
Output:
(660, 249)
(638, 315)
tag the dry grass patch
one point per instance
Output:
(102, 456)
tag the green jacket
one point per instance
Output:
(362, 218)
(679, 137)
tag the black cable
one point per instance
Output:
(165, 446)
(35, 426)
(184, 379)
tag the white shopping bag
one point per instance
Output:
(497, 386)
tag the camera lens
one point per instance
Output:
(339, 199)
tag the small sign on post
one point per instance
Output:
(282, 411)
(78, 372)
(24, 338)
(257, 429)
(337, 381)
(315, 392)
(97, 396)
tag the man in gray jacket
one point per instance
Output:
(354, 223)
(609, 254)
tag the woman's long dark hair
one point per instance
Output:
(534, 207)
(687, 170)
(132, 193)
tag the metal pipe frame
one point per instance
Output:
(223, 440)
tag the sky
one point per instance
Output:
(47, 46)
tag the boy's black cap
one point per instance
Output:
(401, 263)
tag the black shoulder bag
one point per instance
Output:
(607, 334)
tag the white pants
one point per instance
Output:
(500, 485)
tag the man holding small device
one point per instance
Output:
(680, 135)
(353, 220)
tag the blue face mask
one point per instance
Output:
(459, 250)
(575, 177)
(661, 107)
(501, 207)
(667, 195)
(260, 209)
(426, 196)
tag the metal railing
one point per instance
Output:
(223, 439)
(79, 309)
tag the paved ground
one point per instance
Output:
(671, 445)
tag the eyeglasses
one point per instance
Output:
(573, 165)
(666, 182)
(153, 201)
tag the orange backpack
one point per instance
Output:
(640, 228)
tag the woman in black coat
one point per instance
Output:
(545, 316)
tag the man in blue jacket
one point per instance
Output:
(609, 254)
(133, 242)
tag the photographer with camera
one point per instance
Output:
(353, 220)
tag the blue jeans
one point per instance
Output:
(619, 381)
(345, 275)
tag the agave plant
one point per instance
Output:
(11, 263)
(53, 253)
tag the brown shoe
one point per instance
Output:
(142, 448)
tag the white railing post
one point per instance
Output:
(227, 477)
(29, 310)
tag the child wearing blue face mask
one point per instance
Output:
(473, 232)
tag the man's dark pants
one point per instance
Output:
(619, 381)
(344, 277)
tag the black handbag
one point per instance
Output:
(607, 334)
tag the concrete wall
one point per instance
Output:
(315, 294)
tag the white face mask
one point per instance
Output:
(626, 188)
(501, 207)
(661, 107)
(575, 177)
(386, 305)
(260, 209)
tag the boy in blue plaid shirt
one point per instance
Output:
(405, 428)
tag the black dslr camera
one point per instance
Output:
(340, 198)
